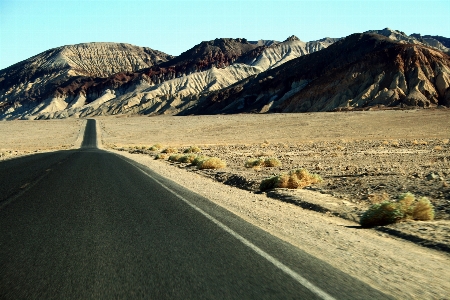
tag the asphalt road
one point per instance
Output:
(89, 224)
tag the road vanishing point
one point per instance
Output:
(91, 224)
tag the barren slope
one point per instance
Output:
(170, 87)
(32, 81)
(360, 71)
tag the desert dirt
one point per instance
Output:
(362, 157)
(21, 137)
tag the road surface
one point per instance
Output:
(89, 224)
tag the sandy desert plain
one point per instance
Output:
(362, 157)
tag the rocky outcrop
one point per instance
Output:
(358, 72)
(361, 71)
(37, 79)
(437, 42)
(207, 67)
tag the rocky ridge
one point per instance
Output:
(34, 81)
(359, 72)
(170, 87)
(381, 68)
(437, 42)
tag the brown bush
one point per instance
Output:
(267, 162)
(170, 150)
(175, 157)
(192, 149)
(212, 163)
(407, 207)
(295, 179)
(423, 210)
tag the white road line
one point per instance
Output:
(297, 277)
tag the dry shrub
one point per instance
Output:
(407, 207)
(406, 204)
(295, 179)
(253, 163)
(212, 163)
(192, 149)
(423, 210)
(268, 163)
(271, 162)
(380, 214)
(170, 150)
(161, 156)
(188, 159)
(199, 159)
(175, 157)
(155, 147)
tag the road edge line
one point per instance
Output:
(297, 277)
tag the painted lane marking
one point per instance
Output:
(297, 277)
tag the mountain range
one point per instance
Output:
(376, 69)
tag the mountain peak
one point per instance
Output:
(292, 38)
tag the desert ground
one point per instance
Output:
(362, 157)
(27, 137)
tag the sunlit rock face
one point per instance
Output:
(374, 70)
(362, 71)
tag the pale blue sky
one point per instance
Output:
(28, 27)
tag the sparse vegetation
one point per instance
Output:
(192, 149)
(212, 163)
(198, 160)
(380, 214)
(155, 147)
(187, 159)
(423, 210)
(295, 179)
(271, 162)
(161, 156)
(175, 157)
(267, 162)
(170, 150)
(407, 207)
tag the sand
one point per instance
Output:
(22, 137)
(276, 128)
